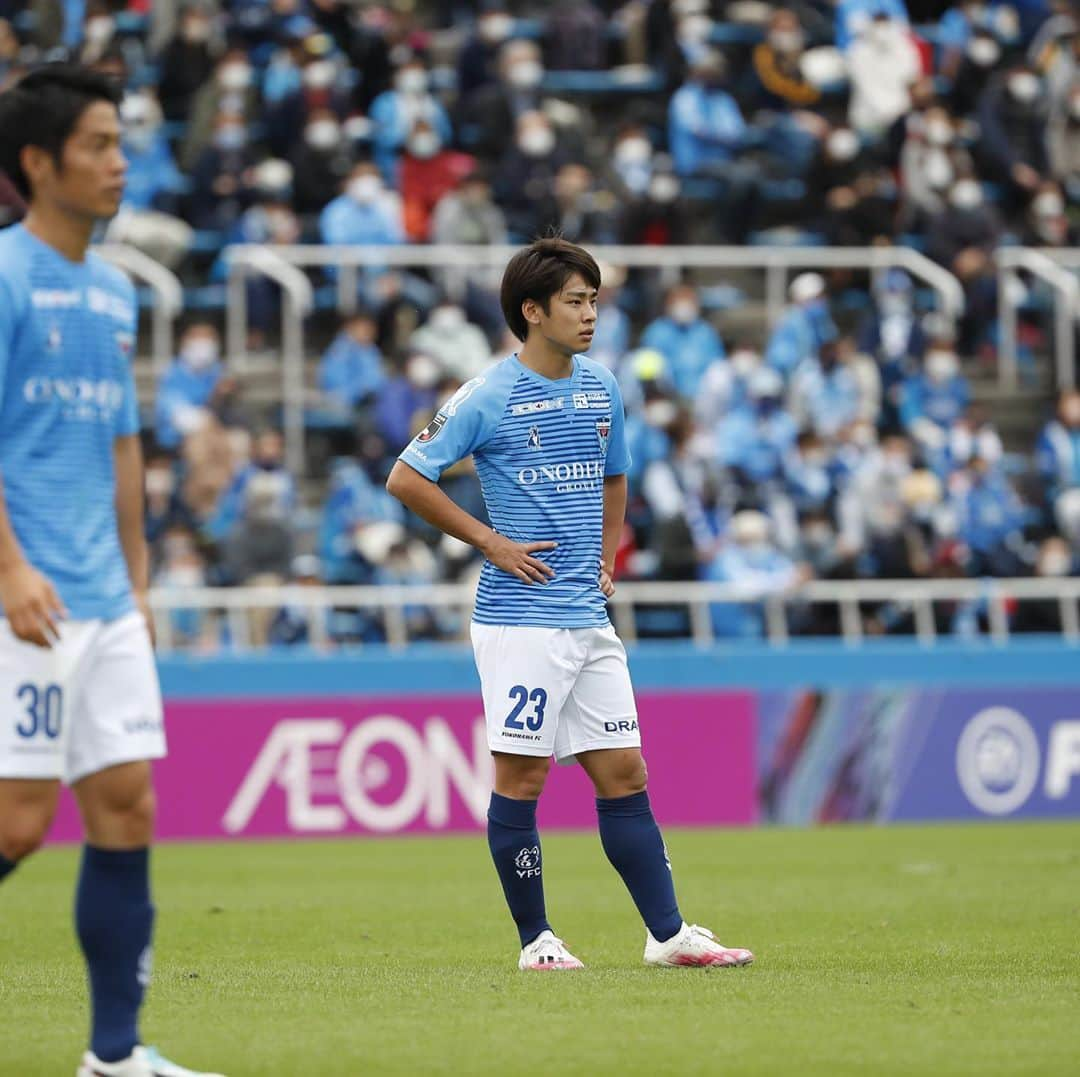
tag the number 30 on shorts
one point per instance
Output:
(43, 708)
(522, 697)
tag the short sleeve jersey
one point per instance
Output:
(67, 336)
(542, 449)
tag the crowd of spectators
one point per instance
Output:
(840, 442)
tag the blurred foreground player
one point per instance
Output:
(79, 696)
(546, 429)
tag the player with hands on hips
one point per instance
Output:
(545, 429)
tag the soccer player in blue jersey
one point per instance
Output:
(79, 696)
(545, 427)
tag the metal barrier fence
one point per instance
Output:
(236, 606)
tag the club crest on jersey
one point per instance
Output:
(431, 431)
(534, 437)
(603, 432)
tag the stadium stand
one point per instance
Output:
(809, 421)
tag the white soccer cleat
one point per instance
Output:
(693, 947)
(142, 1062)
(546, 953)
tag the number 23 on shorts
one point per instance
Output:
(522, 697)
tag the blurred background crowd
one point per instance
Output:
(848, 439)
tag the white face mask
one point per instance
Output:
(526, 75)
(744, 363)
(537, 141)
(983, 51)
(159, 482)
(447, 318)
(939, 133)
(694, 30)
(967, 194)
(423, 371)
(356, 127)
(364, 189)
(412, 81)
(881, 33)
(322, 134)
(786, 41)
(424, 144)
(184, 576)
(664, 189)
(99, 29)
(273, 175)
(940, 366)
(495, 28)
(1048, 204)
(683, 311)
(141, 137)
(938, 170)
(200, 353)
(320, 74)
(235, 76)
(1024, 86)
(843, 145)
(660, 413)
(633, 151)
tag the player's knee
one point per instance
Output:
(23, 832)
(525, 780)
(138, 816)
(123, 819)
(623, 776)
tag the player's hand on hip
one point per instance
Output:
(142, 600)
(517, 559)
(31, 605)
(607, 584)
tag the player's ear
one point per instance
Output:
(530, 311)
(37, 164)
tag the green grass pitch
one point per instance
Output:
(904, 950)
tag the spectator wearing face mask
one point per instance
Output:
(838, 162)
(929, 163)
(153, 181)
(807, 479)
(218, 195)
(980, 60)
(754, 443)
(429, 170)
(320, 87)
(1045, 223)
(854, 18)
(780, 83)
(935, 398)
(406, 400)
(229, 97)
(321, 160)
(477, 61)
(277, 486)
(872, 501)
(1057, 452)
(824, 393)
(962, 238)
(989, 518)
(183, 567)
(725, 386)
(458, 347)
(351, 369)
(396, 112)
(658, 217)
(687, 341)
(751, 563)
(164, 507)
(186, 63)
(1013, 144)
(187, 385)
(488, 113)
(883, 64)
(632, 162)
(804, 326)
(525, 178)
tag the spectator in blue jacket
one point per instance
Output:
(931, 401)
(755, 443)
(406, 400)
(686, 340)
(267, 459)
(394, 114)
(351, 370)
(1058, 451)
(153, 181)
(187, 385)
(989, 519)
(803, 327)
(854, 16)
(825, 392)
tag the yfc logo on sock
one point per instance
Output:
(528, 863)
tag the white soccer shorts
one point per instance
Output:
(555, 691)
(90, 702)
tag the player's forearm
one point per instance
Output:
(11, 553)
(614, 516)
(129, 510)
(430, 503)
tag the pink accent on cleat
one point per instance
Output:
(694, 947)
(547, 953)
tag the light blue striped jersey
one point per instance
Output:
(67, 336)
(542, 449)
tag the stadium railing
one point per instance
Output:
(994, 597)
(244, 260)
(1051, 267)
(168, 296)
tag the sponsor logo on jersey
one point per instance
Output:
(104, 394)
(55, 298)
(100, 301)
(594, 398)
(603, 432)
(568, 478)
(431, 431)
(530, 407)
(534, 437)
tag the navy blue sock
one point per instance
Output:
(114, 920)
(6, 866)
(515, 847)
(636, 850)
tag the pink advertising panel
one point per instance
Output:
(297, 767)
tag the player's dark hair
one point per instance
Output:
(42, 109)
(538, 272)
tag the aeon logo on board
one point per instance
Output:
(384, 773)
(998, 760)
